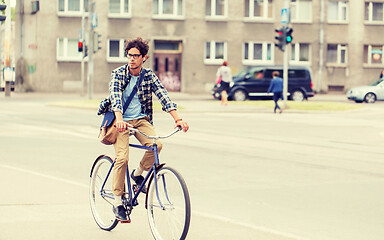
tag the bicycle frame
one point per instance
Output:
(132, 198)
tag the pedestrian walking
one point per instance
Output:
(225, 75)
(276, 87)
(142, 83)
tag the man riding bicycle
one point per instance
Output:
(139, 115)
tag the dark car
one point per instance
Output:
(253, 82)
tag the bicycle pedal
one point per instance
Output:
(135, 188)
(125, 221)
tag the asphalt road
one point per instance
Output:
(251, 174)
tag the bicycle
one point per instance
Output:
(167, 200)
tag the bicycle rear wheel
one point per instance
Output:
(101, 200)
(169, 211)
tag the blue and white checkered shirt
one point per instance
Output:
(150, 84)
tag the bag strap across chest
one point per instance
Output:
(141, 76)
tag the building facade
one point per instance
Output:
(341, 41)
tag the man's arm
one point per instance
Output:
(115, 90)
(270, 86)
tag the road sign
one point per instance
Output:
(94, 20)
(284, 15)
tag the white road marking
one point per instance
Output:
(44, 175)
(207, 215)
(250, 226)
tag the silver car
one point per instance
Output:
(368, 94)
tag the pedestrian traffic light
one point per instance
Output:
(96, 41)
(281, 42)
(80, 45)
(2, 8)
(288, 35)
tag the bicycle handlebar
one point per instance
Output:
(178, 129)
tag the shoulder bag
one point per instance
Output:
(108, 131)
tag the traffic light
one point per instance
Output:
(96, 41)
(288, 35)
(85, 51)
(2, 8)
(35, 6)
(281, 41)
(80, 45)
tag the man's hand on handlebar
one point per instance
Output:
(183, 125)
(121, 126)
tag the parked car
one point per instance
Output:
(368, 94)
(254, 81)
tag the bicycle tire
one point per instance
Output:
(173, 221)
(102, 206)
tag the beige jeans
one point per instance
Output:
(122, 153)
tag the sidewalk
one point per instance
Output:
(332, 97)
(187, 102)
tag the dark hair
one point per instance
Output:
(225, 63)
(138, 43)
(275, 73)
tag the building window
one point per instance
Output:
(256, 53)
(374, 12)
(67, 50)
(337, 53)
(337, 11)
(215, 52)
(301, 10)
(373, 54)
(300, 53)
(168, 46)
(72, 7)
(119, 8)
(168, 8)
(258, 8)
(116, 51)
(216, 8)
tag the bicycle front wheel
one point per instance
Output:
(168, 205)
(101, 198)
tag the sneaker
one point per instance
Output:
(120, 213)
(139, 180)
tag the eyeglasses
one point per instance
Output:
(134, 56)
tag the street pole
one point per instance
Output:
(21, 7)
(285, 77)
(285, 67)
(7, 50)
(83, 83)
(1, 62)
(91, 10)
(321, 48)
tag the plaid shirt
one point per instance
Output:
(150, 84)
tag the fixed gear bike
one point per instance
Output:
(167, 200)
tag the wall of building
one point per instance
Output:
(42, 30)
